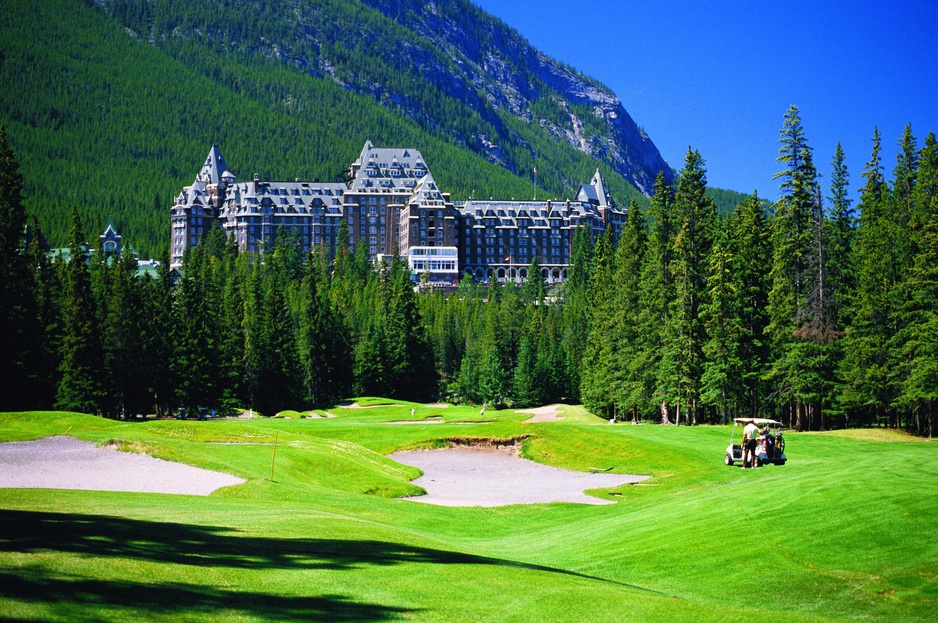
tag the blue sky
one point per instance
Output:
(720, 76)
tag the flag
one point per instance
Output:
(507, 259)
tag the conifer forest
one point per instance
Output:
(816, 310)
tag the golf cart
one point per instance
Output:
(770, 447)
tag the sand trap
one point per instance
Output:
(69, 463)
(483, 477)
(550, 413)
(312, 415)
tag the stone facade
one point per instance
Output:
(392, 203)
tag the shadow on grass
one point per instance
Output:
(83, 599)
(207, 546)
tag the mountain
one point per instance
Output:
(111, 104)
(495, 71)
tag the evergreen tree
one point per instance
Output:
(722, 375)
(532, 291)
(48, 296)
(695, 218)
(18, 311)
(162, 350)
(409, 355)
(526, 388)
(656, 356)
(917, 340)
(798, 301)
(749, 246)
(82, 362)
(324, 344)
(601, 352)
(627, 376)
(868, 390)
(841, 235)
(576, 304)
(196, 331)
(124, 336)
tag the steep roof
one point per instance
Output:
(596, 192)
(214, 168)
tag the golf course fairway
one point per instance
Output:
(844, 532)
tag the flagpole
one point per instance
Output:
(535, 182)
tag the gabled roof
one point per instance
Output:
(214, 168)
(426, 191)
(596, 192)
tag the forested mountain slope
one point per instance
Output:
(111, 105)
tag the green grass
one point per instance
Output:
(844, 532)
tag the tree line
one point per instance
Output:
(815, 312)
(812, 311)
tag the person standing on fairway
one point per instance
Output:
(750, 435)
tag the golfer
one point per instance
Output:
(750, 437)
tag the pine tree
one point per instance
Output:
(601, 352)
(917, 340)
(48, 297)
(722, 375)
(496, 361)
(798, 302)
(532, 291)
(695, 218)
(868, 390)
(627, 376)
(748, 243)
(525, 385)
(82, 358)
(576, 304)
(409, 354)
(656, 356)
(196, 331)
(232, 273)
(18, 311)
(161, 350)
(125, 353)
(841, 236)
(324, 344)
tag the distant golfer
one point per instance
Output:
(482, 412)
(750, 437)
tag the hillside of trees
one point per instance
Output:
(112, 107)
(820, 313)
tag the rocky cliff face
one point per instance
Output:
(510, 75)
(446, 64)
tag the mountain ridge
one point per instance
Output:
(111, 104)
(453, 48)
(627, 149)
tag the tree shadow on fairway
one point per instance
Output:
(83, 599)
(219, 547)
(201, 546)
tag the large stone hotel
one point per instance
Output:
(392, 202)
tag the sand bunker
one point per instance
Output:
(476, 477)
(69, 463)
(550, 413)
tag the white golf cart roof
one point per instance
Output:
(758, 421)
